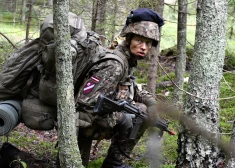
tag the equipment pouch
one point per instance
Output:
(48, 59)
(48, 92)
(38, 115)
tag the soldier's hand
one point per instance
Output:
(124, 121)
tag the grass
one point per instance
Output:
(46, 149)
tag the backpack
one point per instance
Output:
(30, 71)
(88, 53)
(85, 54)
(18, 71)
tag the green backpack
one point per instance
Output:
(20, 76)
(88, 53)
(34, 81)
(18, 71)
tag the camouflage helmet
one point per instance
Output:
(143, 28)
(144, 22)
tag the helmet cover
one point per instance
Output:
(144, 22)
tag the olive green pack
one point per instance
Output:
(89, 53)
(29, 73)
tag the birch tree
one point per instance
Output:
(204, 84)
(69, 154)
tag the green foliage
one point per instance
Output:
(170, 143)
(230, 56)
(40, 149)
(227, 106)
(162, 78)
(97, 163)
(225, 91)
(44, 149)
(141, 72)
(168, 166)
(7, 17)
(19, 161)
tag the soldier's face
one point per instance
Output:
(140, 46)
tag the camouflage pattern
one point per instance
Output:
(109, 74)
(143, 28)
(105, 78)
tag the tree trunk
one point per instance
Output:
(69, 154)
(28, 22)
(181, 51)
(155, 51)
(94, 15)
(231, 161)
(11, 5)
(204, 83)
(14, 16)
(114, 13)
(23, 9)
(100, 22)
(146, 4)
(98, 16)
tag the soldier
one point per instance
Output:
(141, 32)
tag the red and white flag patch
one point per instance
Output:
(91, 83)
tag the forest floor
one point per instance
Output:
(35, 143)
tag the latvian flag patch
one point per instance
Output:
(90, 84)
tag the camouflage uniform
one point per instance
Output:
(105, 78)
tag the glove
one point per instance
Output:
(153, 115)
(124, 122)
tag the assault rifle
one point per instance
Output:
(106, 105)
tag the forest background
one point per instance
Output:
(15, 26)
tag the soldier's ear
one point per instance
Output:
(129, 36)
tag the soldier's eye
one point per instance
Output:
(149, 43)
(138, 41)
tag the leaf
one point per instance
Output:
(21, 162)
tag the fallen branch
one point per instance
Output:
(164, 84)
(8, 40)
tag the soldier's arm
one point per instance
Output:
(102, 79)
(143, 96)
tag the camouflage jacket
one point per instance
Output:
(104, 78)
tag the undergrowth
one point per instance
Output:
(47, 151)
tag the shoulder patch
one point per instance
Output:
(91, 83)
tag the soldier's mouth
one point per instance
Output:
(142, 54)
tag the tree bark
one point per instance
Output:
(98, 16)
(23, 9)
(28, 22)
(114, 13)
(69, 154)
(181, 51)
(153, 56)
(204, 83)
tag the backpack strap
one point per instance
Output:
(120, 57)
